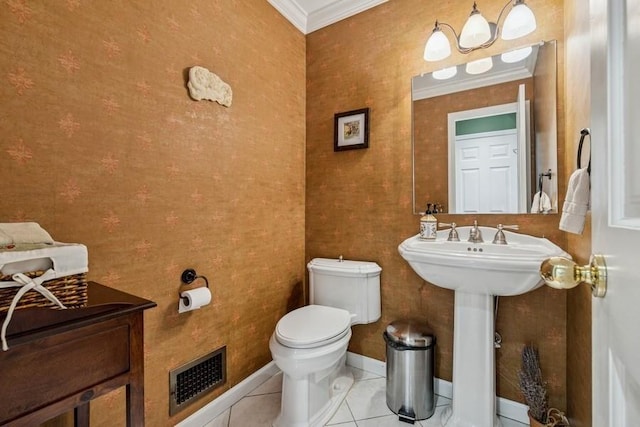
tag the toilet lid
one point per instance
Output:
(312, 324)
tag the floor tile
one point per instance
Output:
(368, 399)
(272, 385)
(342, 415)
(442, 401)
(434, 421)
(221, 420)
(386, 421)
(364, 406)
(359, 374)
(393, 421)
(255, 411)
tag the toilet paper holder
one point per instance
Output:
(189, 276)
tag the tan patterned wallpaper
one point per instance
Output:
(578, 112)
(359, 202)
(101, 144)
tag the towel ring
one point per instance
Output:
(583, 133)
(540, 175)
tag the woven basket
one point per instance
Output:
(70, 290)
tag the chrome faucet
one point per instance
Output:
(475, 235)
(453, 233)
(500, 238)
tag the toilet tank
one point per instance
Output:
(351, 285)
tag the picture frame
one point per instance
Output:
(351, 130)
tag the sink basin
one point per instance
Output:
(480, 268)
(477, 272)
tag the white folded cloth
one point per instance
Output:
(65, 259)
(59, 260)
(23, 232)
(541, 203)
(576, 203)
(25, 284)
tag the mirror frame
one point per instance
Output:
(536, 139)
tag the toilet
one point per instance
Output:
(310, 344)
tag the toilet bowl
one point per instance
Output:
(312, 357)
(310, 344)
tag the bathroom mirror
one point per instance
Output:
(486, 142)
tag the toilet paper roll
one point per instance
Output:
(194, 299)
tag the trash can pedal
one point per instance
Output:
(406, 416)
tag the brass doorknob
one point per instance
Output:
(563, 273)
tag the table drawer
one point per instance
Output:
(38, 374)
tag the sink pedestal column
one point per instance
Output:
(474, 373)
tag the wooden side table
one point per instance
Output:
(59, 360)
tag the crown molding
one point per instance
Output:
(291, 10)
(425, 86)
(335, 11)
(472, 82)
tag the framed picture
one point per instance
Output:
(351, 130)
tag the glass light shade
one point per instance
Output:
(519, 22)
(445, 73)
(475, 32)
(479, 66)
(437, 46)
(516, 55)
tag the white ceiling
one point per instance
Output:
(311, 15)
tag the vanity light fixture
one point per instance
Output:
(478, 33)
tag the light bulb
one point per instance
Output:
(516, 55)
(437, 47)
(519, 22)
(445, 73)
(479, 66)
(476, 30)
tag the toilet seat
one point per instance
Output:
(312, 326)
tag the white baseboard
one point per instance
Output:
(227, 399)
(514, 410)
(368, 364)
(505, 407)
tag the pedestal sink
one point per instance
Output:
(477, 272)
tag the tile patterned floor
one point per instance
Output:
(364, 406)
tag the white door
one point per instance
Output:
(522, 150)
(615, 144)
(486, 167)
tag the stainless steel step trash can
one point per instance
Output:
(410, 365)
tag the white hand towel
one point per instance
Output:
(576, 203)
(25, 232)
(541, 203)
